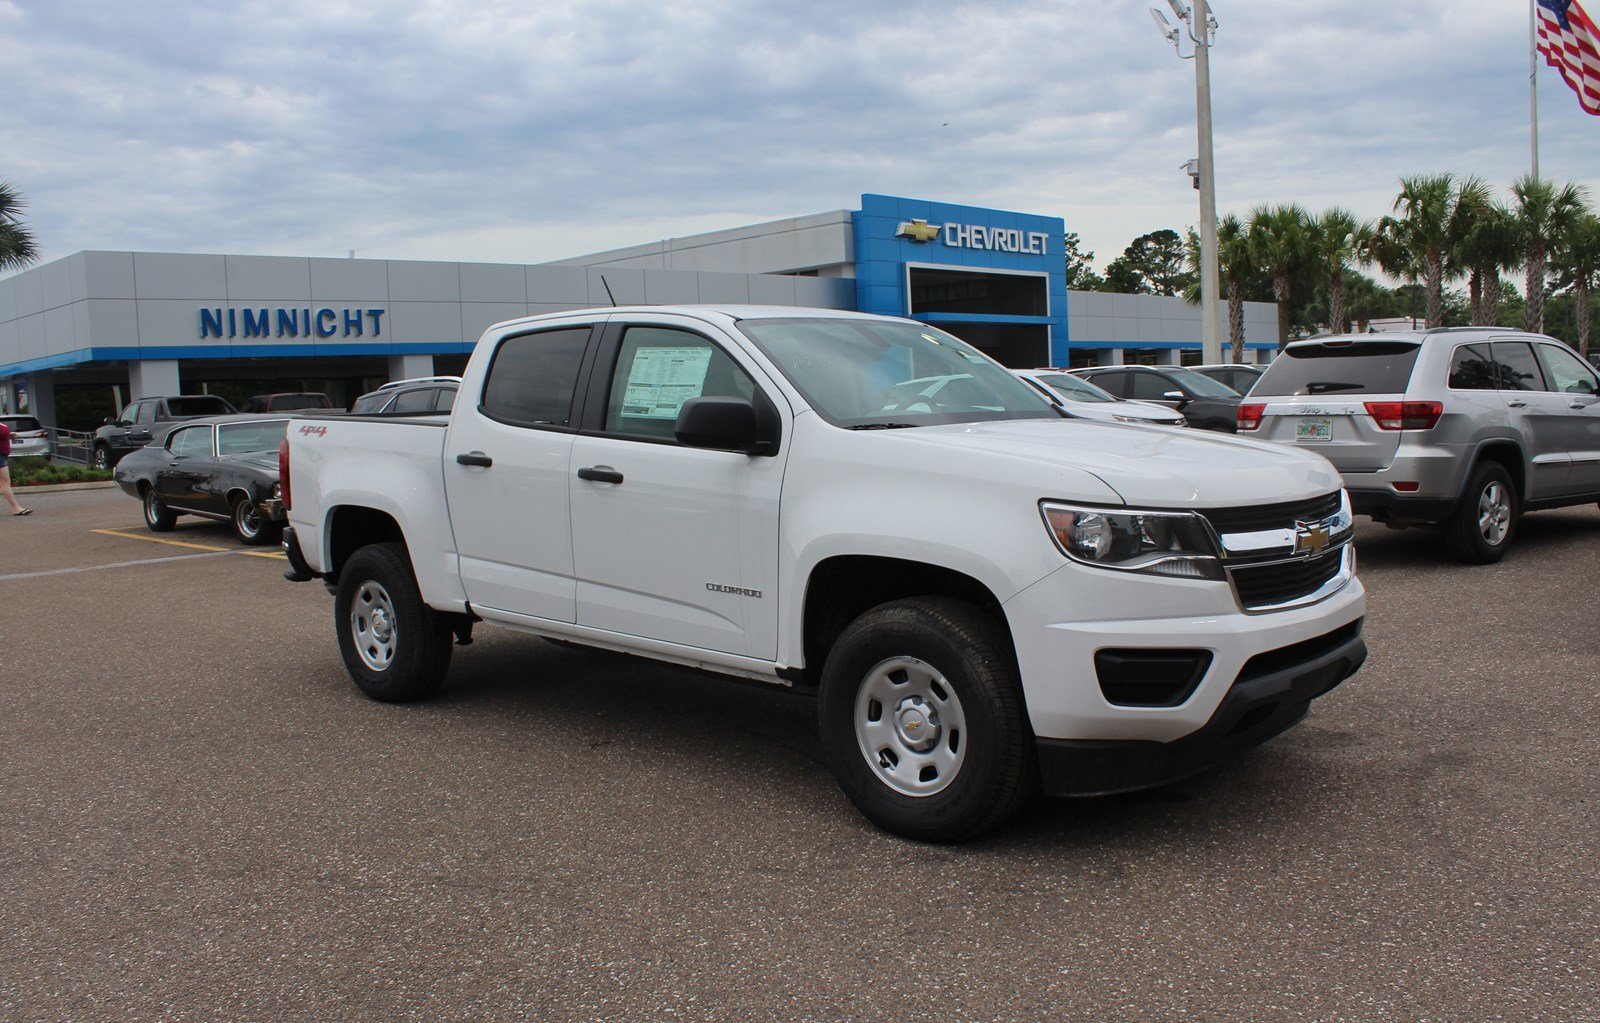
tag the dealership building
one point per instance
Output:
(81, 335)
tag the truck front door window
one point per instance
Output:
(658, 369)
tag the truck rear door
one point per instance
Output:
(506, 470)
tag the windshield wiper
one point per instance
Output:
(1323, 386)
(884, 426)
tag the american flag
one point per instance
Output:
(1571, 45)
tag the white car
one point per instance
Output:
(1086, 401)
(986, 597)
(28, 438)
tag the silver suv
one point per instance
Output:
(1465, 426)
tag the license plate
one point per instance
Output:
(1314, 429)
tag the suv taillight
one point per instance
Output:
(1406, 415)
(1250, 416)
(283, 472)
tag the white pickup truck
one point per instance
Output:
(986, 597)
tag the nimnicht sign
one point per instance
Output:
(975, 236)
(283, 321)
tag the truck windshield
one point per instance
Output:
(872, 373)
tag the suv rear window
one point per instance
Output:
(21, 424)
(1346, 367)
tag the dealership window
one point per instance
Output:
(974, 291)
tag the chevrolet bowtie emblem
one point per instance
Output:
(1310, 537)
(917, 230)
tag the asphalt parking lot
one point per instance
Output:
(202, 819)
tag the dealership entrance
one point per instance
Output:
(1005, 313)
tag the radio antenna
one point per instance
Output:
(607, 284)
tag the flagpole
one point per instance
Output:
(1533, 82)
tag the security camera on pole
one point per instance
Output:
(1201, 30)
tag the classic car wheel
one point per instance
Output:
(249, 525)
(923, 721)
(394, 646)
(157, 516)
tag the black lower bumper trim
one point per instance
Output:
(1259, 706)
(299, 571)
(1385, 505)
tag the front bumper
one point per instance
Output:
(1271, 693)
(272, 509)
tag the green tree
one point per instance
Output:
(1080, 267)
(1278, 245)
(1235, 268)
(1124, 278)
(1578, 263)
(1545, 216)
(17, 247)
(1424, 225)
(1333, 240)
(1486, 244)
(1158, 258)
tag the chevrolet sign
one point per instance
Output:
(917, 230)
(975, 236)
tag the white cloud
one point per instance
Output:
(516, 131)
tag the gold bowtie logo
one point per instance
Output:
(1310, 538)
(917, 230)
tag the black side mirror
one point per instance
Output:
(729, 424)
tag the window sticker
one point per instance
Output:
(662, 379)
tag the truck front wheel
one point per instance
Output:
(923, 721)
(394, 646)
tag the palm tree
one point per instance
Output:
(1545, 216)
(1486, 246)
(1579, 259)
(1277, 243)
(17, 248)
(1334, 239)
(1233, 259)
(1424, 215)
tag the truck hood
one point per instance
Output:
(1155, 467)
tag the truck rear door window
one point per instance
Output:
(658, 369)
(1471, 370)
(1349, 367)
(534, 376)
(1519, 370)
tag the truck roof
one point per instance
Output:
(732, 311)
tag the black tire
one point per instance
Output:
(101, 459)
(249, 525)
(405, 654)
(970, 653)
(158, 518)
(1469, 533)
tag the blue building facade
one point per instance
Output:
(994, 277)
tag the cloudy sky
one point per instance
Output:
(533, 130)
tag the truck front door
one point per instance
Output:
(672, 543)
(506, 472)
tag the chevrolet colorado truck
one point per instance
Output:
(985, 597)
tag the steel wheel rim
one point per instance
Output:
(247, 517)
(372, 625)
(152, 507)
(1494, 514)
(910, 727)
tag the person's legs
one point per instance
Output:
(5, 490)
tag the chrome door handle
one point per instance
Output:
(1516, 404)
(1575, 404)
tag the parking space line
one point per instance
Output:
(118, 564)
(266, 554)
(157, 539)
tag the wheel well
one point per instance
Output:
(1509, 456)
(842, 588)
(235, 493)
(352, 528)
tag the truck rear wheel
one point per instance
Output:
(394, 646)
(923, 720)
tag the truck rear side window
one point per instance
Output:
(1471, 370)
(534, 376)
(1359, 367)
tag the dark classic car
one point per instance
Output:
(223, 467)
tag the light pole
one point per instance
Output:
(1201, 30)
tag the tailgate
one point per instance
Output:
(1315, 396)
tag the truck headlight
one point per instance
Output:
(1177, 544)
